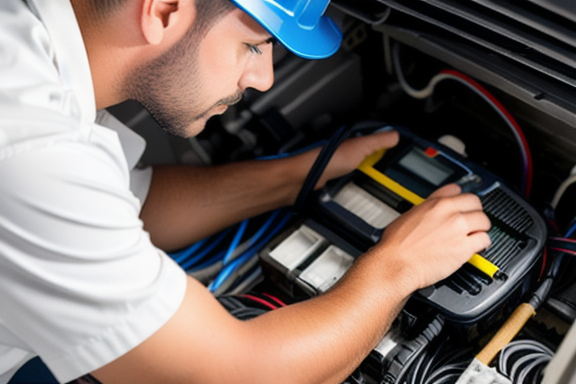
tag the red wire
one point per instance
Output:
(568, 251)
(554, 225)
(277, 300)
(261, 301)
(544, 261)
(565, 239)
(524, 142)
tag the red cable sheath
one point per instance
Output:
(568, 251)
(261, 301)
(277, 300)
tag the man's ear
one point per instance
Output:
(156, 17)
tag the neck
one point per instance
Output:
(108, 46)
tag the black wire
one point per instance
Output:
(319, 165)
(545, 287)
(328, 150)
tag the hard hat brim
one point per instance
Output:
(317, 42)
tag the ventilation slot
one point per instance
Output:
(504, 210)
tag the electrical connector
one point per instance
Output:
(479, 373)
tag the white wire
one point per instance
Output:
(561, 189)
(534, 353)
(517, 367)
(539, 361)
(417, 94)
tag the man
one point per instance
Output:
(84, 280)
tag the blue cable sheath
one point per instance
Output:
(187, 264)
(571, 230)
(180, 256)
(251, 241)
(235, 240)
(219, 256)
(289, 154)
(263, 228)
(234, 265)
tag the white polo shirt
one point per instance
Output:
(80, 282)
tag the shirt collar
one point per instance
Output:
(70, 54)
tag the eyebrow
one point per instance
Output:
(270, 40)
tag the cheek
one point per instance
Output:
(220, 66)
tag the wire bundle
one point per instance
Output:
(238, 260)
(442, 362)
(523, 361)
(249, 305)
(228, 259)
(563, 244)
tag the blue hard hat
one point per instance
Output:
(300, 25)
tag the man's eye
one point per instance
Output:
(254, 49)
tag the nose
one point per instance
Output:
(259, 72)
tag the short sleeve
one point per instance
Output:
(80, 281)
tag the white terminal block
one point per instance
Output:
(365, 206)
(479, 373)
(297, 247)
(327, 269)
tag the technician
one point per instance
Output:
(84, 279)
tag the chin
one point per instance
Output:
(195, 128)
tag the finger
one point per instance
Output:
(446, 191)
(479, 241)
(366, 145)
(467, 202)
(477, 222)
(386, 139)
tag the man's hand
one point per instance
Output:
(433, 239)
(351, 153)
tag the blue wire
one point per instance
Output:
(289, 154)
(180, 256)
(235, 240)
(263, 228)
(247, 255)
(229, 269)
(208, 249)
(571, 230)
(219, 256)
(252, 240)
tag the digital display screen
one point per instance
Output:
(426, 167)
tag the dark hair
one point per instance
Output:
(207, 10)
(102, 8)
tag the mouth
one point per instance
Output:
(230, 100)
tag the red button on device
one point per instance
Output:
(431, 152)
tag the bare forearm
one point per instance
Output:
(186, 204)
(330, 335)
(317, 341)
